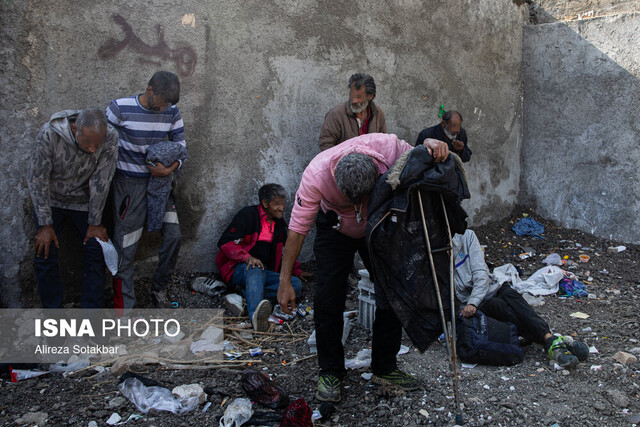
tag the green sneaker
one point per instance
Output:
(398, 379)
(329, 388)
(560, 353)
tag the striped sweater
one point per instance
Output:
(139, 128)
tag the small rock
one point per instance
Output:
(114, 419)
(37, 418)
(625, 358)
(618, 398)
(598, 405)
(188, 390)
(213, 334)
(116, 402)
(565, 372)
(635, 350)
(92, 424)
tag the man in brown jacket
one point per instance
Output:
(358, 116)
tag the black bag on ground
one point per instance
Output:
(488, 341)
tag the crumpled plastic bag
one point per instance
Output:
(237, 413)
(110, 255)
(158, 398)
(261, 389)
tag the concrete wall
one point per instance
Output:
(581, 154)
(257, 78)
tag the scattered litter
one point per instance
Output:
(584, 258)
(595, 368)
(316, 414)
(312, 342)
(206, 406)
(615, 249)
(362, 360)
(114, 419)
(529, 227)
(486, 387)
(403, 349)
(208, 286)
(204, 345)
(579, 315)
(22, 374)
(469, 365)
(587, 329)
(593, 350)
(261, 389)
(503, 378)
(110, 255)
(424, 413)
(232, 355)
(158, 398)
(277, 312)
(237, 413)
(572, 288)
(276, 320)
(253, 352)
(366, 375)
(533, 301)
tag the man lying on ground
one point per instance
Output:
(475, 288)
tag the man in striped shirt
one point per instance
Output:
(142, 121)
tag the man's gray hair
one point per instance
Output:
(93, 119)
(356, 175)
(365, 80)
(269, 192)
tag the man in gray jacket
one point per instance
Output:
(69, 176)
(476, 290)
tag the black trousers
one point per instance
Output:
(509, 306)
(334, 258)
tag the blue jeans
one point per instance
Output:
(258, 284)
(47, 271)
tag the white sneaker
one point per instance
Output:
(260, 318)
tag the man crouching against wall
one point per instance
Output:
(251, 253)
(334, 191)
(69, 176)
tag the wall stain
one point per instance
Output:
(184, 56)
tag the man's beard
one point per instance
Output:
(360, 108)
(451, 136)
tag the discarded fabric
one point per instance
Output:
(261, 389)
(529, 227)
(237, 413)
(572, 288)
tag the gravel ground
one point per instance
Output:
(598, 392)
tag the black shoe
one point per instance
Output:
(559, 353)
(578, 349)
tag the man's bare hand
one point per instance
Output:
(438, 149)
(457, 145)
(286, 296)
(254, 262)
(44, 237)
(469, 310)
(305, 276)
(97, 231)
(160, 170)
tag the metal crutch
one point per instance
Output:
(449, 328)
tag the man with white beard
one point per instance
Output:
(450, 130)
(357, 116)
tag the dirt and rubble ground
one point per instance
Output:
(599, 392)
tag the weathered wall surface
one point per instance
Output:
(581, 155)
(569, 10)
(257, 79)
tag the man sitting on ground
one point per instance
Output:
(251, 252)
(475, 288)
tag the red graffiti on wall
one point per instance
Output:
(184, 56)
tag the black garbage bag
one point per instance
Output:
(261, 389)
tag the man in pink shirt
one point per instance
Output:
(334, 192)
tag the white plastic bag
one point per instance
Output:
(110, 255)
(158, 398)
(237, 413)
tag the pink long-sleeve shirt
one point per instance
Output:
(318, 188)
